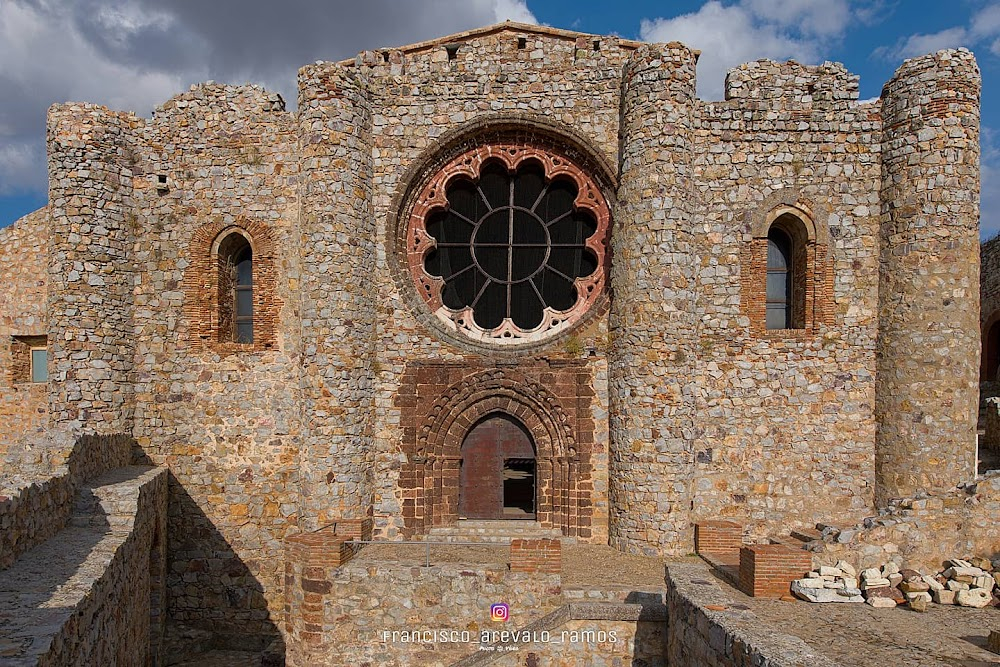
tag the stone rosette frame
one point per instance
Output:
(433, 197)
(429, 480)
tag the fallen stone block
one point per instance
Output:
(874, 583)
(975, 597)
(919, 604)
(981, 563)
(825, 594)
(811, 582)
(826, 571)
(933, 583)
(953, 585)
(983, 582)
(914, 587)
(846, 568)
(943, 596)
(889, 568)
(881, 603)
(895, 579)
(917, 595)
(870, 573)
(955, 572)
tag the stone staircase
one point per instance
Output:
(490, 531)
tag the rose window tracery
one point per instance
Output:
(507, 243)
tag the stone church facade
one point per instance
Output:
(518, 272)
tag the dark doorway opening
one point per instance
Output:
(497, 473)
(519, 488)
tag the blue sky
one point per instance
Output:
(135, 54)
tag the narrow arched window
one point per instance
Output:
(779, 279)
(236, 289)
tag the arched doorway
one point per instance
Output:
(497, 474)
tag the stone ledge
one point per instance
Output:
(704, 621)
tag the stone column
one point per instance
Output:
(338, 237)
(653, 316)
(926, 391)
(90, 305)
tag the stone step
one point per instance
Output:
(499, 531)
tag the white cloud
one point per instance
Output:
(728, 36)
(918, 45)
(983, 29)
(826, 18)
(513, 10)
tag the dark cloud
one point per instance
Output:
(135, 54)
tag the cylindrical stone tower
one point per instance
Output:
(652, 312)
(337, 256)
(91, 330)
(926, 391)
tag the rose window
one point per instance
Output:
(507, 243)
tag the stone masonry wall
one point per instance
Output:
(929, 344)
(23, 296)
(226, 419)
(427, 105)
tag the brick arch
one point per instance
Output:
(812, 288)
(432, 468)
(201, 286)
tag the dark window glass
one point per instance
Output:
(510, 245)
(779, 280)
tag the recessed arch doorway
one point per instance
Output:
(497, 472)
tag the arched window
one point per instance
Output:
(236, 289)
(780, 265)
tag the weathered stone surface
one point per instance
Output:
(976, 597)
(943, 596)
(825, 594)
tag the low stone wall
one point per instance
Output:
(93, 595)
(34, 505)
(703, 628)
(921, 533)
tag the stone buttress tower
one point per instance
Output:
(926, 390)
(651, 315)
(337, 246)
(90, 308)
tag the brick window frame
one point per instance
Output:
(19, 371)
(812, 275)
(205, 305)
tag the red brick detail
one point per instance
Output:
(812, 275)
(204, 280)
(767, 570)
(717, 537)
(311, 561)
(536, 556)
(418, 242)
(441, 402)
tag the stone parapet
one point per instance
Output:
(704, 629)
(101, 580)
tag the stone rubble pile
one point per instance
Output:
(968, 583)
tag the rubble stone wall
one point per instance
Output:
(923, 532)
(23, 312)
(989, 315)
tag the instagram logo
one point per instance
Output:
(499, 611)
